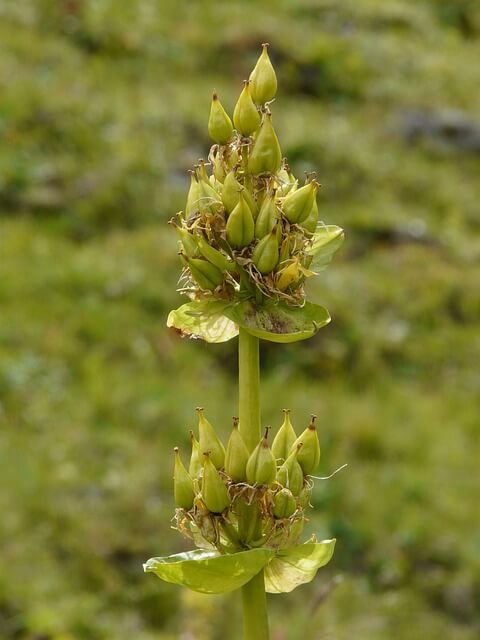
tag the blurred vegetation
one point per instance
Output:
(103, 108)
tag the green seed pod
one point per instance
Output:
(261, 465)
(213, 255)
(219, 168)
(193, 195)
(290, 474)
(189, 243)
(267, 216)
(240, 225)
(220, 127)
(195, 465)
(263, 81)
(209, 200)
(286, 436)
(209, 441)
(214, 491)
(236, 456)
(201, 169)
(298, 204)
(182, 484)
(309, 455)
(231, 194)
(265, 254)
(205, 274)
(284, 504)
(266, 155)
(215, 184)
(245, 115)
(311, 221)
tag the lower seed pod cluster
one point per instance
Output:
(247, 226)
(232, 499)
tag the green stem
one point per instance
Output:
(249, 392)
(255, 621)
(253, 593)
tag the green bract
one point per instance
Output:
(207, 571)
(298, 565)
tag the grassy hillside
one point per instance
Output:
(103, 109)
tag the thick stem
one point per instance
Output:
(249, 392)
(255, 621)
(253, 593)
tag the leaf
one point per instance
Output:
(207, 571)
(325, 242)
(278, 322)
(297, 565)
(203, 319)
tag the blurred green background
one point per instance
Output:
(103, 108)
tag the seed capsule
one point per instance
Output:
(220, 127)
(214, 491)
(261, 465)
(284, 504)
(311, 221)
(309, 455)
(236, 456)
(209, 441)
(205, 274)
(195, 465)
(231, 194)
(219, 167)
(193, 195)
(298, 204)
(290, 474)
(267, 216)
(245, 115)
(213, 255)
(240, 225)
(266, 155)
(265, 254)
(182, 484)
(286, 436)
(209, 200)
(187, 239)
(215, 184)
(263, 80)
(201, 169)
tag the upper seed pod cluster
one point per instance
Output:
(233, 498)
(248, 223)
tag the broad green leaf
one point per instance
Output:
(203, 319)
(209, 572)
(297, 565)
(278, 322)
(326, 240)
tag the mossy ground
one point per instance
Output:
(104, 106)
